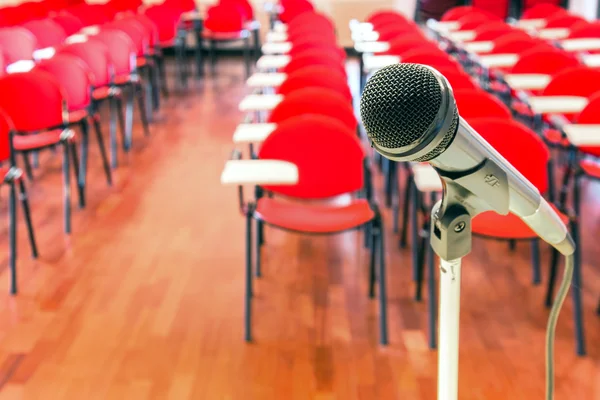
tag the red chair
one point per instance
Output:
(75, 78)
(549, 62)
(224, 24)
(475, 20)
(69, 23)
(314, 57)
(493, 30)
(293, 141)
(315, 19)
(476, 103)
(585, 30)
(315, 100)
(47, 32)
(458, 79)
(577, 81)
(427, 57)
(407, 42)
(390, 32)
(95, 54)
(324, 35)
(456, 13)
(517, 42)
(123, 57)
(13, 176)
(307, 44)
(561, 20)
(36, 104)
(543, 9)
(17, 44)
(383, 17)
(530, 158)
(293, 8)
(316, 76)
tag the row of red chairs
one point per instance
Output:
(315, 107)
(493, 119)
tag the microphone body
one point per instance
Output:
(410, 114)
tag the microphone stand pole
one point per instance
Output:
(451, 240)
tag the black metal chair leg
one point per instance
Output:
(67, 186)
(129, 106)
(102, 148)
(414, 228)
(257, 49)
(396, 200)
(125, 124)
(552, 278)
(408, 187)
(258, 266)
(27, 215)
(155, 83)
(383, 322)
(76, 172)
(213, 56)
(162, 73)
(82, 170)
(248, 291)
(199, 49)
(27, 164)
(12, 227)
(422, 247)
(551, 188)
(112, 103)
(512, 244)
(431, 292)
(142, 107)
(148, 93)
(247, 56)
(535, 260)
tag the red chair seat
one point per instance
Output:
(101, 93)
(225, 35)
(77, 116)
(37, 141)
(313, 218)
(509, 226)
(591, 168)
(555, 137)
(122, 79)
(141, 62)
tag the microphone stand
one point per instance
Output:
(451, 241)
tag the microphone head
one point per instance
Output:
(409, 112)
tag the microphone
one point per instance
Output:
(410, 114)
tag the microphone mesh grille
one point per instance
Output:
(446, 140)
(399, 104)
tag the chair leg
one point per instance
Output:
(162, 73)
(373, 259)
(27, 164)
(12, 226)
(148, 92)
(27, 214)
(76, 172)
(155, 83)
(512, 244)
(199, 49)
(102, 148)
(258, 270)
(129, 105)
(125, 126)
(67, 186)
(551, 188)
(383, 322)
(577, 275)
(257, 50)
(113, 105)
(408, 187)
(82, 172)
(248, 292)
(213, 56)
(551, 278)
(142, 106)
(396, 200)
(535, 260)
(421, 254)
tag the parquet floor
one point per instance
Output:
(144, 300)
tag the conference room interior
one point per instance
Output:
(229, 229)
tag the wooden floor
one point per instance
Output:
(144, 300)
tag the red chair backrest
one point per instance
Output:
(181, 5)
(70, 23)
(427, 57)
(292, 9)
(33, 100)
(300, 48)
(312, 18)
(407, 42)
(521, 147)
(585, 30)
(224, 18)
(135, 31)
(590, 115)
(95, 54)
(541, 10)
(319, 76)
(47, 32)
(385, 16)
(17, 44)
(166, 20)
(492, 31)
(544, 62)
(516, 42)
(456, 13)
(475, 103)
(6, 128)
(74, 77)
(458, 79)
(149, 27)
(321, 172)
(326, 34)
(392, 31)
(314, 57)
(243, 5)
(315, 100)
(578, 81)
(121, 48)
(475, 20)
(563, 21)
